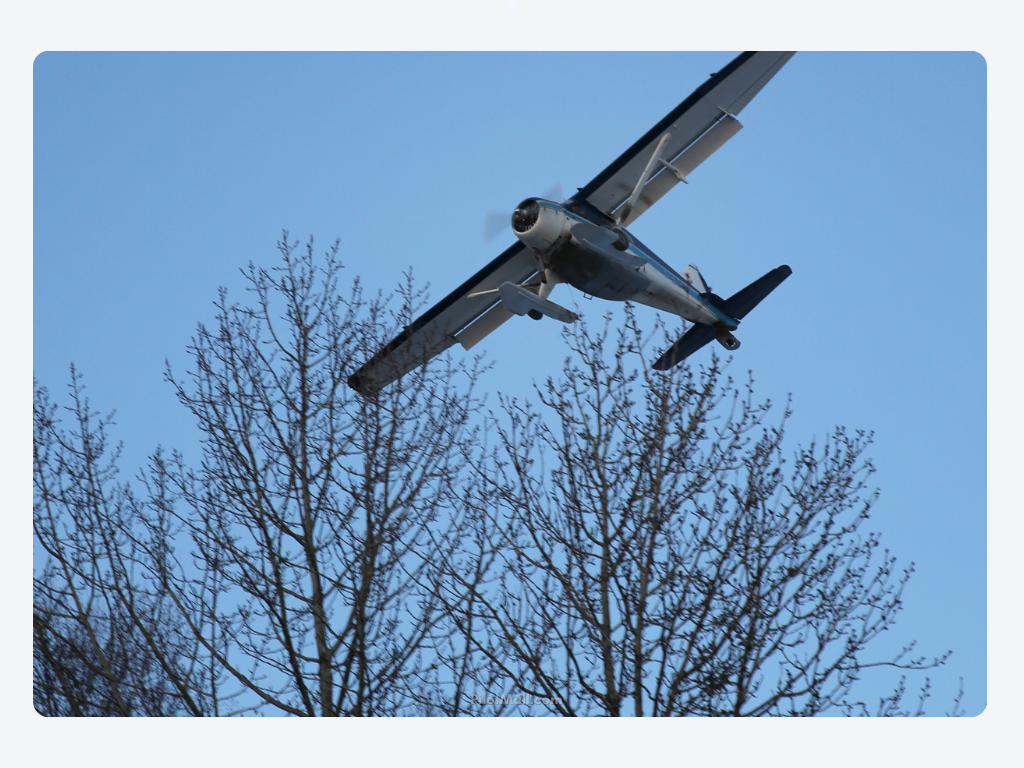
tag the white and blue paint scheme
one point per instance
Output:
(585, 242)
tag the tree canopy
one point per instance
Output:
(627, 542)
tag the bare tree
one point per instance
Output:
(645, 545)
(296, 559)
(636, 543)
(105, 643)
(316, 516)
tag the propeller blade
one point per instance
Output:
(495, 222)
(554, 193)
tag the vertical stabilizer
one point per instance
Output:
(693, 276)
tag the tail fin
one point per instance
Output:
(693, 276)
(737, 306)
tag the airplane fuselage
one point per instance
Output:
(583, 247)
(584, 242)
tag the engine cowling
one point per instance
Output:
(540, 225)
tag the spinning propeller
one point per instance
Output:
(496, 222)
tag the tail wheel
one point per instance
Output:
(727, 340)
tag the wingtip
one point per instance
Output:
(357, 382)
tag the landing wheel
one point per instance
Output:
(535, 314)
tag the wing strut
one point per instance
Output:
(642, 181)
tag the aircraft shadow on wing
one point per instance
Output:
(585, 242)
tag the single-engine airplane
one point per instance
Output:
(584, 242)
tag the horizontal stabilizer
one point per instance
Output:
(736, 306)
(691, 341)
(739, 304)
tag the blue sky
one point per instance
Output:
(156, 176)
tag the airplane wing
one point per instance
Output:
(462, 316)
(687, 136)
(636, 180)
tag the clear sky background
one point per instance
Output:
(157, 176)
